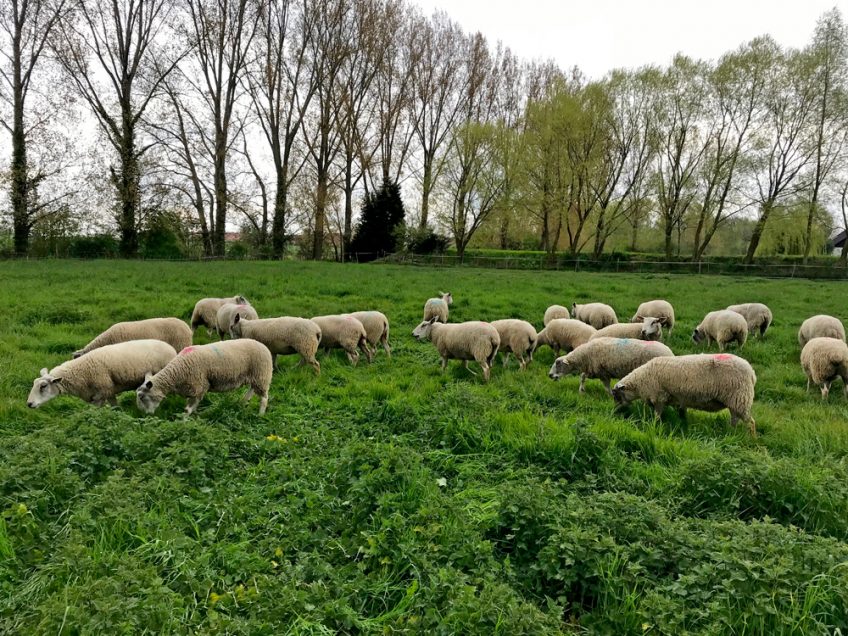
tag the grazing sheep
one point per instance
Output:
(757, 315)
(820, 326)
(437, 307)
(661, 309)
(206, 311)
(598, 315)
(564, 333)
(724, 327)
(171, 330)
(555, 311)
(648, 329)
(282, 336)
(708, 382)
(824, 360)
(227, 313)
(462, 341)
(376, 328)
(518, 337)
(98, 376)
(606, 359)
(218, 367)
(344, 332)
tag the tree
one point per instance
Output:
(220, 33)
(123, 39)
(28, 24)
(828, 56)
(782, 147)
(382, 216)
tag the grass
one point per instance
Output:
(393, 499)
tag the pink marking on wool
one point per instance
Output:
(186, 350)
(722, 356)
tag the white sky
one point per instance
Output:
(600, 35)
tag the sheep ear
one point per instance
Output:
(148, 384)
(44, 372)
(433, 320)
(237, 319)
(638, 318)
(55, 380)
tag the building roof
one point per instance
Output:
(839, 239)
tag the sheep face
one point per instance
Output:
(241, 300)
(446, 296)
(44, 388)
(698, 335)
(560, 368)
(235, 327)
(147, 397)
(77, 354)
(623, 395)
(651, 329)
(422, 331)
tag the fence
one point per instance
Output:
(770, 270)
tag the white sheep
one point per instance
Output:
(462, 341)
(218, 367)
(661, 309)
(206, 311)
(171, 330)
(648, 329)
(723, 327)
(820, 326)
(598, 315)
(518, 337)
(344, 332)
(283, 336)
(606, 359)
(757, 315)
(97, 377)
(227, 313)
(376, 328)
(824, 360)
(564, 334)
(438, 307)
(555, 311)
(708, 382)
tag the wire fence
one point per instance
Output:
(836, 271)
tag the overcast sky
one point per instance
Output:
(599, 35)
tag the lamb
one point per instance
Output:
(708, 382)
(648, 329)
(607, 358)
(757, 315)
(344, 332)
(518, 337)
(724, 327)
(227, 313)
(462, 341)
(555, 311)
(820, 326)
(564, 333)
(661, 309)
(218, 367)
(282, 336)
(98, 376)
(171, 330)
(437, 307)
(376, 328)
(206, 311)
(598, 315)
(824, 360)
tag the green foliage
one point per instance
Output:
(161, 239)
(96, 246)
(424, 241)
(393, 499)
(376, 232)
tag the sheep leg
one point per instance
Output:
(808, 384)
(315, 364)
(505, 358)
(385, 340)
(486, 370)
(752, 425)
(582, 387)
(367, 351)
(465, 364)
(825, 390)
(191, 404)
(522, 363)
(681, 412)
(606, 384)
(273, 360)
(444, 364)
(659, 407)
(248, 395)
(263, 401)
(113, 401)
(208, 332)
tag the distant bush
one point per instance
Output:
(160, 241)
(238, 250)
(96, 246)
(424, 241)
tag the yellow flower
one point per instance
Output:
(272, 438)
(214, 598)
(22, 509)
(295, 439)
(645, 627)
(274, 564)
(278, 552)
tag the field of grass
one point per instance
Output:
(392, 499)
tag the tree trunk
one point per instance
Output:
(320, 213)
(128, 188)
(278, 227)
(348, 211)
(669, 240)
(426, 187)
(19, 169)
(759, 228)
(219, 236)
(843, 257)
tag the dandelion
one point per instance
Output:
(295, 439)
(278, 552)
(22, 509)
(214, 598)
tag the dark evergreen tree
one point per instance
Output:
(377, 229)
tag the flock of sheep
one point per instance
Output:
(143, 355)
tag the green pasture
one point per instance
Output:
(393, 499)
